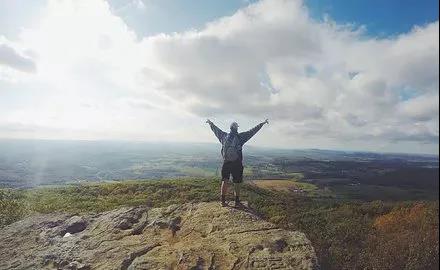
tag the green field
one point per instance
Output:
(375, 192)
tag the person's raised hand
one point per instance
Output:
(266, 121)
(208, 121)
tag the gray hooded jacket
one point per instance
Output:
(242, 136)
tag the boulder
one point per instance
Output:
(74, 225)
(186, 236)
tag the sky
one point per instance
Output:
(330, 74)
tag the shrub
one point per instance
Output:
(405, 238)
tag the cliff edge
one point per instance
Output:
(186, 236)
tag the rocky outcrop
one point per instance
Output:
(187, 236)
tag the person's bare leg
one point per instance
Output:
(237, 193)
(223, 191)
(237, 189)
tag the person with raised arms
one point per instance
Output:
(232, 155)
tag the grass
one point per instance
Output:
(197, 172)
(284, 185)
(98, 197)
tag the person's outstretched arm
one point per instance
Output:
(220, 134)
(245, 136)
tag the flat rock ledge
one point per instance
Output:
(186, 236)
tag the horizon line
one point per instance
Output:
(212, 143)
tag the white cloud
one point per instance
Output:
(331, 80)
(87, 85)
(11, 58)
(321, 83)
(16, 62)
(421, 108)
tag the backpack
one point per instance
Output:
(231, 147)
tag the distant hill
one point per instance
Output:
(28, 163)
(423, 178)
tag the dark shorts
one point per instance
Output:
(234, 168)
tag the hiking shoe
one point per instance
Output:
(223, 199)
(238, 204)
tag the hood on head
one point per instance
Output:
(234, 126)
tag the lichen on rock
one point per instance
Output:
(186, 236)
